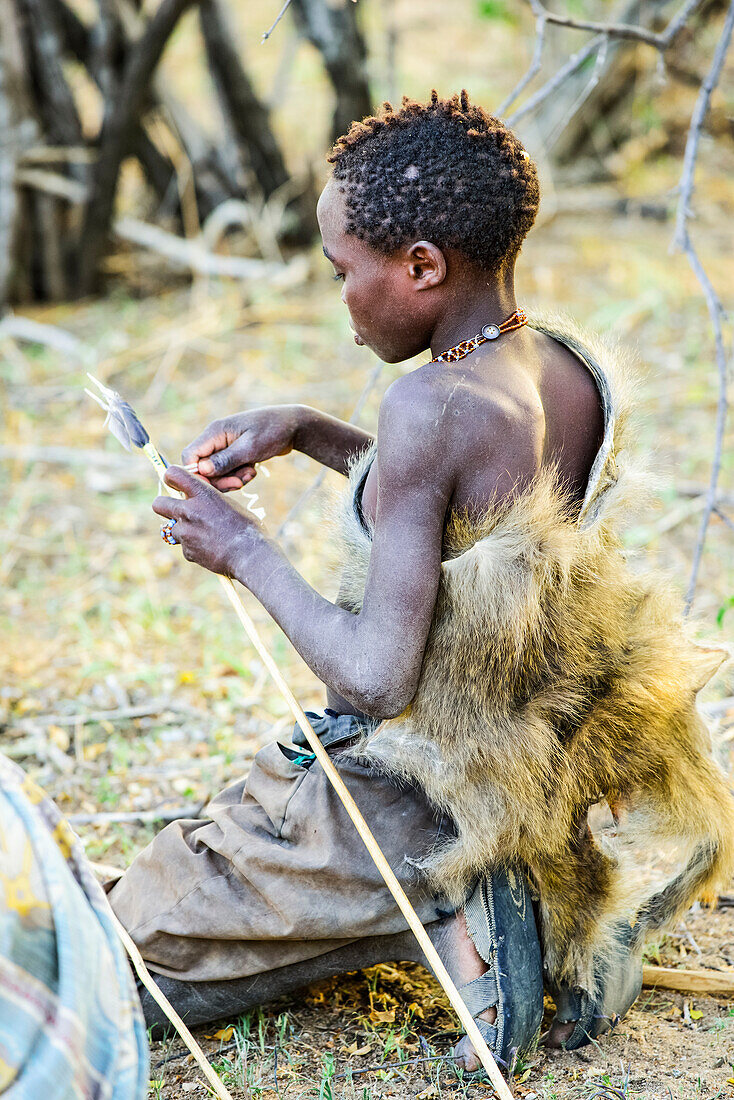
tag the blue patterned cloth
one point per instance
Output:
(71, 1027)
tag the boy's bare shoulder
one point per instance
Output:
(441, 402)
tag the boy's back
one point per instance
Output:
(499, 416)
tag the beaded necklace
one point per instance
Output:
(489, 332)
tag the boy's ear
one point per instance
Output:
(427, 265)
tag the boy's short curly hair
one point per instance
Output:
(443, 171)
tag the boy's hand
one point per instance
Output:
(211, 532)
(228, 449)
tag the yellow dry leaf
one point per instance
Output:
(696, 1014)
(225, 1034)
(356, 1050)
(27, 705)
(387, 1017)
(91, 752)
(59, 736)
(416, 1009)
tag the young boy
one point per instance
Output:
(422, 220)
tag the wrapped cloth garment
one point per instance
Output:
(278, 874)
(71, 1027)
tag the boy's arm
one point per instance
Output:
(373, 658)
(328, 440)
(227, 450)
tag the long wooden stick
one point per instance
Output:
(481, 1048)
(374, 849)
(378, 857)
(162, 1001)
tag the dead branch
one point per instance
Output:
(334, 31)
(187, 253)
(689, 981)
(541, 20)
(574, 62)
(603, 32)
(19, 131)
(683, 241)
(139, 817)
(242, 109)
(57, 102)
(623, 30)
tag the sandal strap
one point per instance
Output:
(480, 993)
(477, 916)
(489, 1034)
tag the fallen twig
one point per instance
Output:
(37, 332)
(120, 714)
(142, 817)
(624, 30)
(186, 252)
(689, 981)
(165, 1005)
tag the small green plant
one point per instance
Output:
(327, 1073)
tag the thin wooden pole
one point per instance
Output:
(432, 956)
(162, 1001)
(378, 857)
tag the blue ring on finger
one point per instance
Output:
(167, 532)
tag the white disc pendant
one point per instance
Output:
(490, 332)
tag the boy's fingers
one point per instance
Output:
(213, 438)
(230, 483)
(168, 507)
(229, 460)
(235, 479)
(185, 482)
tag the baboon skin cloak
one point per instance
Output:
(558, 673)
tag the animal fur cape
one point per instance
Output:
(556, 675)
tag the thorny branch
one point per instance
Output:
(624, 30)
(682, 240)
(603, 32)
(598, 45)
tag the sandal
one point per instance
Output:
(501, 924)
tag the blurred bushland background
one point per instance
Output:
(159, 168)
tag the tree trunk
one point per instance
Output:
(333, 30)
(116, 138)
(244, 112)
(19, 130)
(249, 120)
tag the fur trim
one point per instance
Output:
(556, 675)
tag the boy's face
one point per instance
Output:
(380, 292)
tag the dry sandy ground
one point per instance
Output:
(359, 1036)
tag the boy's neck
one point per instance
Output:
(472, 305)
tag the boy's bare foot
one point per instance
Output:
(460, 957)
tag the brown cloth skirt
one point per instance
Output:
(278, 872)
